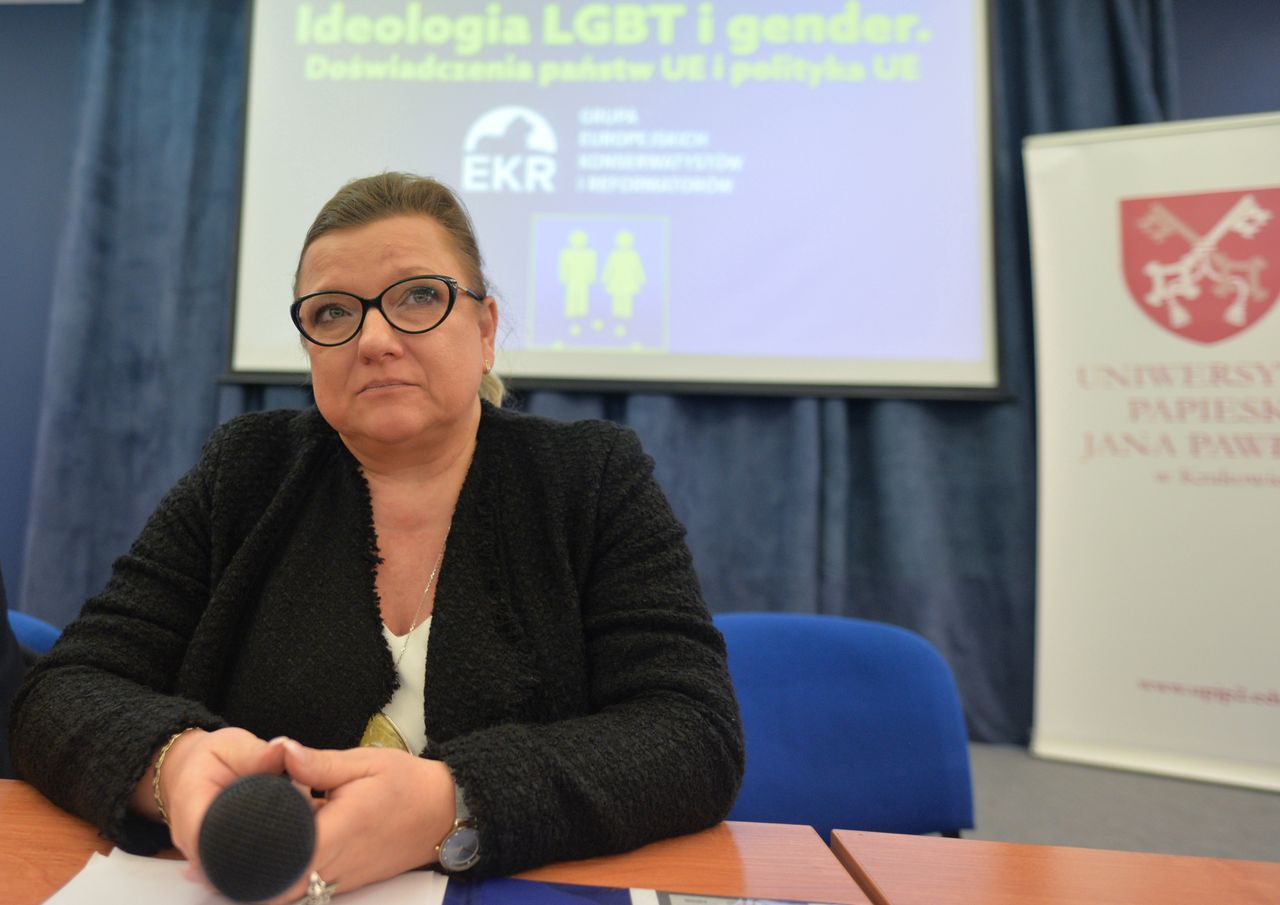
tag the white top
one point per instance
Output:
(407, 705)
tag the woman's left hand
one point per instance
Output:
(384, 813)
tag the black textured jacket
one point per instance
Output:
(12, 668)
(575, 683)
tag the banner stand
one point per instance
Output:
(1156, 253)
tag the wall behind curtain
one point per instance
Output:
(1227, 61)
(918, 513)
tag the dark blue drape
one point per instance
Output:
(138, 318)
(916, 513)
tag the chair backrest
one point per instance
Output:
(849, 724)
(32, 632)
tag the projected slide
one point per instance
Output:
(775, 196)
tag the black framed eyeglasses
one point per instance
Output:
(412, 305)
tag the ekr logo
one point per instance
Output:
(509, 149)
(1195, 263)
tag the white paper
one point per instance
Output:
(124, 879)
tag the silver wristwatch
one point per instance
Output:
(460, 847)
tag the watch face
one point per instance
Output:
(460, 849)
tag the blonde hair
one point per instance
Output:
(364, 201)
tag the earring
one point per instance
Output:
(488, 366)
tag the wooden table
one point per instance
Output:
(928, 870)
(42, 847)
(743, 860)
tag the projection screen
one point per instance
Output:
(718, 196)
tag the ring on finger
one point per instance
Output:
(318, 891)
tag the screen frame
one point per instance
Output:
(995, 390)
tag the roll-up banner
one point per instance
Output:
(1156, 254)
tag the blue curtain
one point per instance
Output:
(138, 318)
(916, 513)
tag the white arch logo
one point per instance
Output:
(509, 149)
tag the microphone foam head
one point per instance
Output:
(257, 838)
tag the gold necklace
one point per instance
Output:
(422, 600)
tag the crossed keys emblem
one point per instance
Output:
(1181, 280)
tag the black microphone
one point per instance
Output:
(257, 838)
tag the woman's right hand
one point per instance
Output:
(197, 767)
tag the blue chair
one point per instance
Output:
(33, 633)
(849, 724)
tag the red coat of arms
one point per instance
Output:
(1197, 264)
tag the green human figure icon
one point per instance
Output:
(623, 274)
(577, 273)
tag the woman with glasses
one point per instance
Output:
(477, 633)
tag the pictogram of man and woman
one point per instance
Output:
(622, 278)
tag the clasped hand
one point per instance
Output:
(383, 812)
